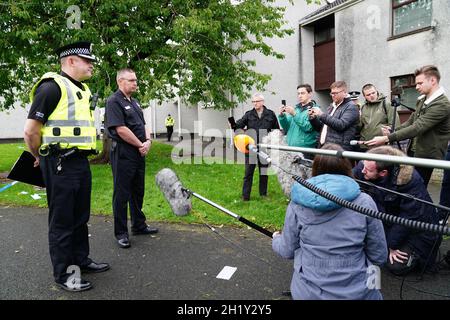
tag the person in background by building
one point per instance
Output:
(375, 113)
(296, 123)
(125, 124)
(333, 248)
(408, 248)
(60, 133)
(170, 122)
(258, 122)
(341, 119)
(428, 126)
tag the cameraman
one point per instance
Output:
(295, 121)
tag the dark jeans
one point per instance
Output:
(69, 203)
(250, 165)
(445, 190)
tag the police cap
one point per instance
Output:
(82, 49)
(354, 95)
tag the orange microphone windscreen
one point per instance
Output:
(241, 142)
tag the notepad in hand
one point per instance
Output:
(24, 171)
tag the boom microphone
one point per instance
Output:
(245, 143)
(171, 187)
(179, 199)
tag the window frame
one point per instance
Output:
(411, 83)
(403, 34)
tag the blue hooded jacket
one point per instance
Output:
(333, 248)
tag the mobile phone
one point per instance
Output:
(232, 122)
(283, 102)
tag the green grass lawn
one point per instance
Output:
(220, 183)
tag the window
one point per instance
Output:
(324, 31)
(410, 15)
(405, 88)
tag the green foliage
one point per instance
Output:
(187, 46)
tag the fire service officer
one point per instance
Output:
(125, 124)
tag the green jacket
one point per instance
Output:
(374, 115)
(298, 129)
(429, 125)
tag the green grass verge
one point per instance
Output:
(220, 183)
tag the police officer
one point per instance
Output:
(60, 133)
(125, 125)
(169, 122)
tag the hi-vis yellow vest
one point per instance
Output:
(71, 124)
(169, 121)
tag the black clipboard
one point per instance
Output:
(23, 170)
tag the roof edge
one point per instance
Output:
(304, 22)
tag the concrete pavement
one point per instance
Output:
(181, 262)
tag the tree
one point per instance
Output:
(192, 48)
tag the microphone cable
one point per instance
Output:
(418, 225)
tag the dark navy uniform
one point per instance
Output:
(128, 166)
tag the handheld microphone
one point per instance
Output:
(356, 142)
(245, 143)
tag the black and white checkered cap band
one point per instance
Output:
(75, 51)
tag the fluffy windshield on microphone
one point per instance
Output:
(241, 142)
(171, 187)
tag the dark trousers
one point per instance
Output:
(128, 168)
(401, 269)
(445, 190)
(169, 132)
(424, 172)
(250, 165)
(69, 203)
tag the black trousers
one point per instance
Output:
(424, 172)
(169, 132)
(128, 168)
(250, 166)
(444, 198)
(69, 203)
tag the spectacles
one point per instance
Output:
(255, 101)
(335, 93)
(130, 80)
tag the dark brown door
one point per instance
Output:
(324, 65)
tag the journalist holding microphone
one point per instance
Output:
(429, 126)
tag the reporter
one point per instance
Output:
(332, 247)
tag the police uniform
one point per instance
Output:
(68, 136)
(128, 166)
(169, 122)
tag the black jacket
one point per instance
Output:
(406, 180)
(257, 127)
